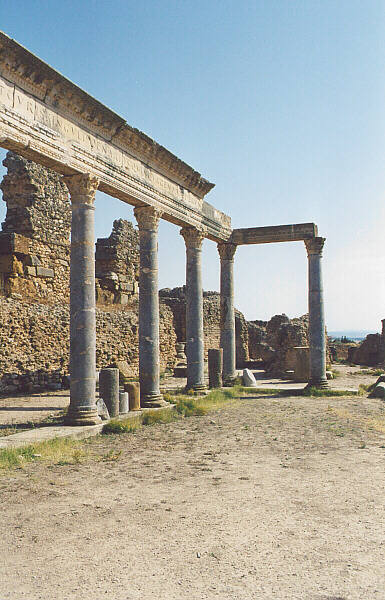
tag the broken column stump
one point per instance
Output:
(215, 357)
(109, 390)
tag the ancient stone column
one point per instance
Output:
(226, 253)
(148, 221)
(317, 337)
(82, 409)
(194, 309)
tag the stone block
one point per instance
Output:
(33, 260)
(125, 372)
(381, 379)
(123, 299)
(298, 359)
(127, 287)
(378, 391)
(133, 389)
(44, 272)
(248, 378)
(123, 403)
(102, 410)
(30, 271)
(329, 375)
(13, 242)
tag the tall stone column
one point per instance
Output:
(194, 309)
(82, 409)
(317, 338)
(226, 253)
(148, 221)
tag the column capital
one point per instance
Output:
(82, 187)
(226, 250)
(147, 217)
(314, 245)
(193, 237)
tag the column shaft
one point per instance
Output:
(227, 324)
(148, 221)
(194, 309)
(82, 409)
(317, 337)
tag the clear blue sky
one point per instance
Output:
(280, 103)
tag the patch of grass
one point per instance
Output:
(115, 426)
(112, 455)
(364, 389)
(190, 408)
(57, 451)
(322, 393)
(153, 417)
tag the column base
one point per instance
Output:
(320, 384)
(197, 387)
(83, 417)
(153, 401)
(229, 380)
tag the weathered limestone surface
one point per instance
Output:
(194, 309)
(149, 365)
(117, 264)
(215, 360)
(371, 350)
(46, 118)
(36, 264)
(317, 337)
(34, 343)
(274, 233)
(228, 343)
(82, 409)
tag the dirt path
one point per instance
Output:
(266, 499)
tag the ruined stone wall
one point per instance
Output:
(117, 264)
(34, 243)
(34, 343)
(175, 299)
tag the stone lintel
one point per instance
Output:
(276, 233)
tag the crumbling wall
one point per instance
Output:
(34, 243)
(117, 264)
(34, 343)
(175, 299)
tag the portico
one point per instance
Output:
(48, 119)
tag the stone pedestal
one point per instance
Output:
(215, 367)
(228, 343)
(123, 403)
(180, 369)
(148, 221)
(194, 309)
(82, 409)
(109, 390)
(317, 337)
(133, 389)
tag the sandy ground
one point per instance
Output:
(265, 499)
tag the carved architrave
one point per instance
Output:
(226, 250)
(193, 237)
(147, 217)
(315, 245)
(82, 187)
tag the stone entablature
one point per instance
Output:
(45, 117)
